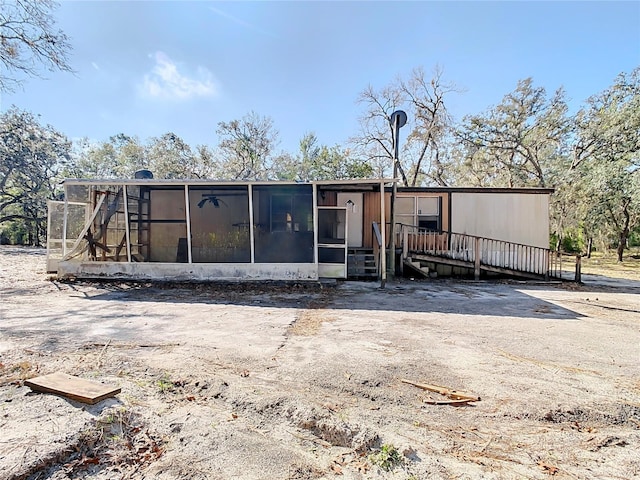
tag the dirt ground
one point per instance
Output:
(304, 381)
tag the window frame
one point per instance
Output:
(418, 217)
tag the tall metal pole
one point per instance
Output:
(398, 119)
(394, 191)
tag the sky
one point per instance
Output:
(148, 68)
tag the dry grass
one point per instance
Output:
(309, 323)
(17, 373)
(607, 264)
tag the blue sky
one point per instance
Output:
(147, 68)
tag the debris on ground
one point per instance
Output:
(454, 397)
(75, 388)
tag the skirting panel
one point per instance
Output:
(189, 272)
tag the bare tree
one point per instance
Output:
(429, 125)
(29, 41)
(375, 140)
(432, 123)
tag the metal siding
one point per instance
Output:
(513, 217)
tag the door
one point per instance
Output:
(353, 202)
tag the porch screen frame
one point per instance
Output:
(331, 268)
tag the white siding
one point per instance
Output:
(513, 217)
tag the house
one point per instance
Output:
(202, 230)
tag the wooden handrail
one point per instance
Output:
(377, 246)
(376, 233)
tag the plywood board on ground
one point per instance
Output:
(75, 388)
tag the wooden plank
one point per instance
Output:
(447, 402)
(75, 388)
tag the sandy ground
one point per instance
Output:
(304, 382)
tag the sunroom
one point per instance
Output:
(204, 230)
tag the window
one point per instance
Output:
(429, 213)
(422, 212)
(405, 210)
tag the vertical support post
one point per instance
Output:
(405, 243)
(546, 264)
(315, 225)
(392, 221)
(49, 212)
(560, 263)
(578, 277)
(127, 232)
(103, 253)
(476, 272)
(346, 241)
(64, 224)
(383, 234)
(187, 213)
(252, 247)
(394, 191)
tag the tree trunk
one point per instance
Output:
(622, 243)
(38, 232)
(624, 233)
(589, 247)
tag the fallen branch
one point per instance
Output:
(452, 394)
(86, 346)
(446, 402)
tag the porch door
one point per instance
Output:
(353, 202)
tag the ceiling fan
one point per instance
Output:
(211, 198)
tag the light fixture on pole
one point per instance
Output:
(398, 119)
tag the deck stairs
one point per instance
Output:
(417, 266)
(420, 248)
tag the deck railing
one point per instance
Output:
(479, 251)
(564, 266)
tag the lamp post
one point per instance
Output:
(398, 119)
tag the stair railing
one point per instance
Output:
(477, 250)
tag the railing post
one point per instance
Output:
(545, 264)
(405, 242)
(560, 263)
(383, 238)
(477, 258)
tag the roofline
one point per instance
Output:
(531, 190)
(342, 182)
(199, 181)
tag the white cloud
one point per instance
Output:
(165, 81)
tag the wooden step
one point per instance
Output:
(416, 265)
